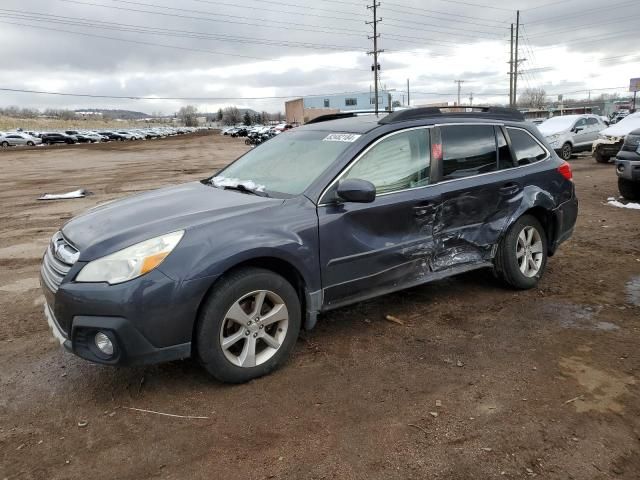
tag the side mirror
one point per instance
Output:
(578, 129)
(355, 190)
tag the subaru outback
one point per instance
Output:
(230, 268)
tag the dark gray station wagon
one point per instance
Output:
(229, 269)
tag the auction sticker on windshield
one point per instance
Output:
(341, 137)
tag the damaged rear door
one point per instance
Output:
(479, 193)
(369, 248)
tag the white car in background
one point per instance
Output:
(11, 139)
(572, 133)
(611, 139)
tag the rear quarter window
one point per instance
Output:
(526, 149)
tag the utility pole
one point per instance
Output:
(471, 99)
(376, 66)
(408, 94)
(511, 71)
(515, 65)
(459, 82)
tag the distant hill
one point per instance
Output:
(123, 114)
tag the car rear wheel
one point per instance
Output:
(628, 189)
(522, 253)
(30, 143)
(248, 325)
(566, 151)
(600, 158)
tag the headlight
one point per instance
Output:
(553, 138)
(130, 262)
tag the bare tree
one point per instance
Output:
(231, 116)
(533, 98)
(188, 115)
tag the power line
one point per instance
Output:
(289, 11)
(456, 15)
(321, 29)
(584, 12)
(133, 97)
(140, 42)
(579, 27)
(85, 22)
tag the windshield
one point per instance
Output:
(286, 164)
(557, 124)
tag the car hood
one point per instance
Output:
(118, 224)
(552, 130)
(623, 127)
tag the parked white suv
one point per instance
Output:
(571, 133)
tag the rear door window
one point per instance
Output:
(526, 149)
(468, 150)
(505, 159)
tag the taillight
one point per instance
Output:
(565, 171)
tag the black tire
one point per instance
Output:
(566, 151)
(506, 261)
(628, 189)
(30, 144)
(4, 144)
(226, 292)
(600, 158)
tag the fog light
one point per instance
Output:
(104, 343)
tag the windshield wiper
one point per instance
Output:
(243, 189)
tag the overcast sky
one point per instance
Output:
(289, 48)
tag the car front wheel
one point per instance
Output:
(600, 157)
(522, 254)
(248, 325)
(566, 151)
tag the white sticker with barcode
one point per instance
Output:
(341, 137)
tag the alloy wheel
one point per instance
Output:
(254, 328)
(529, 251)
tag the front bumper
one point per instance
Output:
(149, 319)
(628, 169)
(607, 148)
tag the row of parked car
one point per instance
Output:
(32, 138)
(256, 134)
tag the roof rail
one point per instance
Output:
(339, 115)
(500, 113)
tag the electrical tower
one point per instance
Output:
(459, 82)
(375, 68)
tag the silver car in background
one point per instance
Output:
(11, 139)
(572, 133)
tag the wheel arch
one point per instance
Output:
(274, 264)
(541, 205)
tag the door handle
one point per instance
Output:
(509, 189)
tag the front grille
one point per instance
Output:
(58, 260)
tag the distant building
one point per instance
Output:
(303, 109)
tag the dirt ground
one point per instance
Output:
(480, 381)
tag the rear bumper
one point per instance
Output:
(565, 216)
